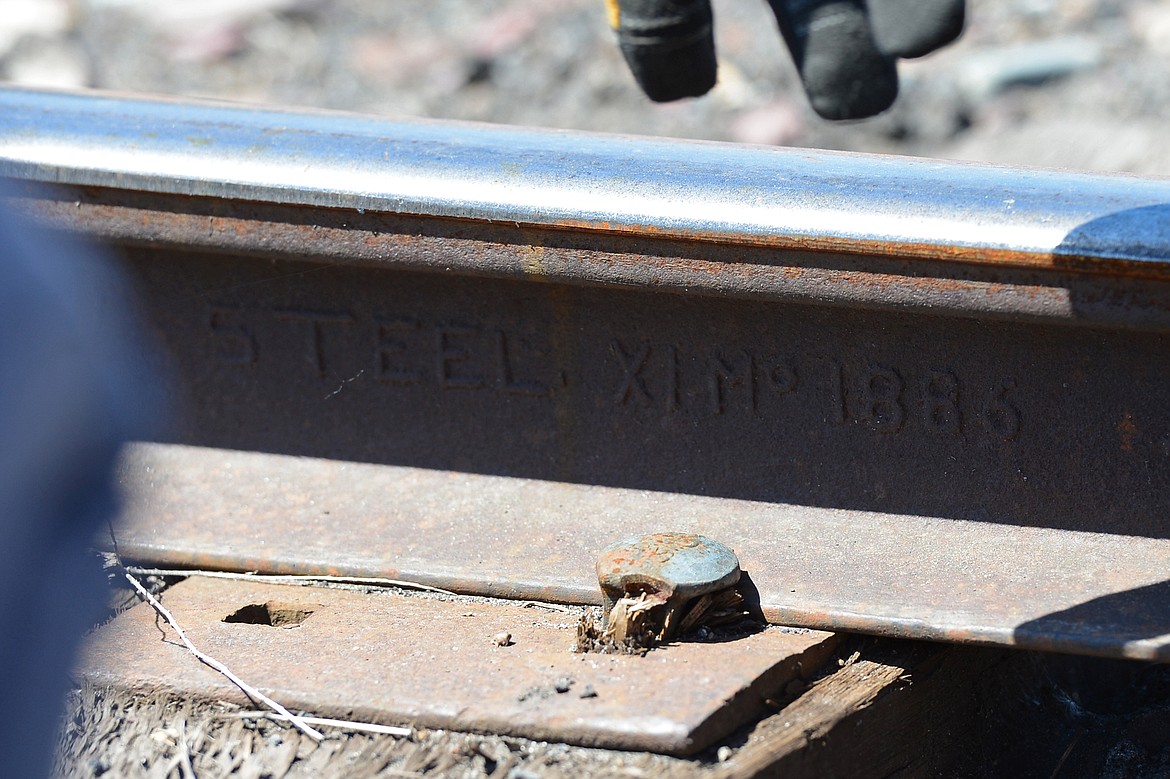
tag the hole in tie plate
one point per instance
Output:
(272, 614)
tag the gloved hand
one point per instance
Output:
(845, 50)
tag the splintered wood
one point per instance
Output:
(637, 624)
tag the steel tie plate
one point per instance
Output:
(432, 663)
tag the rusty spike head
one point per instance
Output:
(674, 568)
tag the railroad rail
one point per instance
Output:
(919, 399)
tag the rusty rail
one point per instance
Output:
(917, 398)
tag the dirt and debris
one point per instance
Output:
(635, 636)
(115, 734)
(638, 623)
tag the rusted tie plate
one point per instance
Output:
(435, 663)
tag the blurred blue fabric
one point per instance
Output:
(73, 387)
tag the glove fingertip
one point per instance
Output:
(844, 73)
(667, 74)
(860, 99)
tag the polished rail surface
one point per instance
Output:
(694, 190)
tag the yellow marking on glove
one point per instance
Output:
(615, 13)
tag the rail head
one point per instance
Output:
(703, 191)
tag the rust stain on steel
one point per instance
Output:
(102, 212)
(437, 664)
(978, 255)
(671, 565)
(928, 278)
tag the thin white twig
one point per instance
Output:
(341, 386)
(365, 727)
(251, 691)
(276, 578)
(551, 606)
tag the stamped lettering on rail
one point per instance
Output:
(232, 340)
(880, 397)
(402, 351)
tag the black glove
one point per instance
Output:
(845, 50)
